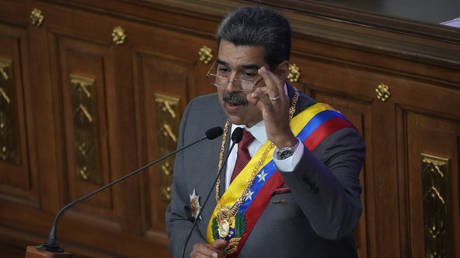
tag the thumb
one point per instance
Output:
(219, 244)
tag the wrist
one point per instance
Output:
(288, 142)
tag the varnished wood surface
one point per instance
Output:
(343, 56)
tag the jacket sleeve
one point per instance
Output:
(179, 220)
(325, 184)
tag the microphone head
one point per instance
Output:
(214, 132)
(237, 135)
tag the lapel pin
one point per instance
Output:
(195, 204)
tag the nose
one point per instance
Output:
(231, 82)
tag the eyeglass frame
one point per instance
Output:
(209, 74)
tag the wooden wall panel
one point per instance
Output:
(165, 82)
(434, 218)
(84, 116)
(359, 113)
(170, 78)
(16, 174)
(108, 223)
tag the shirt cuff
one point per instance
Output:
(288, 165)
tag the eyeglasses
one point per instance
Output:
(246, 80)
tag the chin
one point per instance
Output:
(236, 120)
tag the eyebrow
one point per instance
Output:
(245, 66)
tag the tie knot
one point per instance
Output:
(246, 140)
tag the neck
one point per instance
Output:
(249, 125)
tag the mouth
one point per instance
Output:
(232, 108)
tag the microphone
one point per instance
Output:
(237, 135)
(52, 246)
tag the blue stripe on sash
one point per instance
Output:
(270, 167)
(316, 121)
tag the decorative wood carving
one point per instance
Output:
(205, 54)
(168, 117)
(436, 206)
(85, 128)
(294, 73)
(118, 35)
(383, 92)
(9, 142)
(36, 17)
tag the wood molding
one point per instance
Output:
(367, 18)
(410, 40)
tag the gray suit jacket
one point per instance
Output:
(316, 219)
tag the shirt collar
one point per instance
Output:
(257, 130)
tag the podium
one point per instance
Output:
(33, 252)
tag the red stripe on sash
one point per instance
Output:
(324, 130)
(261, 200)
(259, 203)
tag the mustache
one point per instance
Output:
(235, 98)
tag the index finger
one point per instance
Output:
(272, 81)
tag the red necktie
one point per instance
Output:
(243, 156)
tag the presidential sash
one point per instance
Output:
(311, 126)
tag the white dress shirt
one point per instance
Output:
(260, 135)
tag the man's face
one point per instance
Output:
(239, 61)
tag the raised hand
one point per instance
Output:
(274, 105)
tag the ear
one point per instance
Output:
(282, 70)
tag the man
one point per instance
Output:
(291, 188)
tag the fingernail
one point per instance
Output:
(214, 255)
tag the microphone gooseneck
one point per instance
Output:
(52, 245)
(236, 137)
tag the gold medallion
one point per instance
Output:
(224, 228)
(224, 221)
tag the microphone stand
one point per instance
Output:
(52, 246)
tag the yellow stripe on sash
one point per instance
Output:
(245, 177)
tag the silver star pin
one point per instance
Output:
(195, 204)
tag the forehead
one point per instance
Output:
(240, 55)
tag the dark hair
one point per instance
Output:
(258, 26)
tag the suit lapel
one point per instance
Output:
(211, 172)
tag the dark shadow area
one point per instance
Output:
(429, 11)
